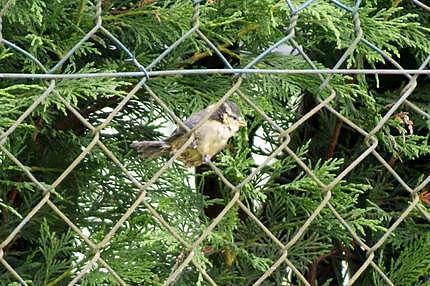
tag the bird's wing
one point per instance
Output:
(190, 122)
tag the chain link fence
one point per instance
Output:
(189, 256)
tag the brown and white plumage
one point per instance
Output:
(209, 139)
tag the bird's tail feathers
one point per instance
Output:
(151, 149)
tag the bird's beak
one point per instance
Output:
(241, 123)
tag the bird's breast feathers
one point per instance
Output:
(212, 136)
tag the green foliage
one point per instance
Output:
(413, 264)
(281, 194)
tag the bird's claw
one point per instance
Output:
(193, 144)
(206, 159)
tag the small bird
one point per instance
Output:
(210, 138)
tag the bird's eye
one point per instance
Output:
(234, 117)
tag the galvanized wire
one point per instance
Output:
(146, 73)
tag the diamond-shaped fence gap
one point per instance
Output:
(325, 92)
(218, 244)
(142, 195)
(206, 232)
(356, 250)
(254, 255)
(287, 92)
(268, 128)
(130, 252)
(265, 169)
(186, 246)
(327, 196)
(86, 257)
(395, 224)
(87, 246)
(19, 194)
(401, 244)
(313, 254)
(59, 169)
(378, 220)
(252, 218)
(10, 235)
(338, 88)
(296, 237)
(58, 251)
(292, 210)
(60, 196)
(167, 198)
(284, 144)
(388, 224)
(106, 185)
(319, 158)
(387, 134)
(383, 240)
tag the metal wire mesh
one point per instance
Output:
(147, 72)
